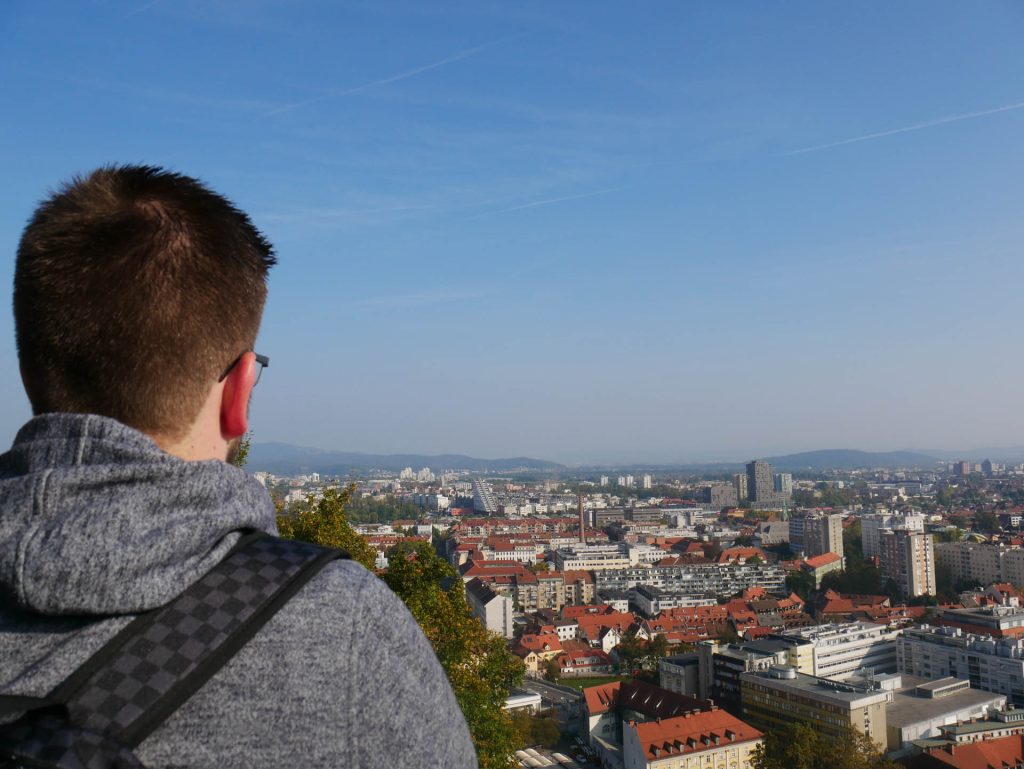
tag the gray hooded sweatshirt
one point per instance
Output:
(98, 524)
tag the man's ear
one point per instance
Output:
(234, 402)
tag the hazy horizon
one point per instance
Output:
(575, 232)
(613, 460)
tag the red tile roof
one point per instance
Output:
(818, 561)
(586, 610)
(735, 553)
(601, 699)
(986, 754)
(692, 733)
(540, 642)
(487, 569)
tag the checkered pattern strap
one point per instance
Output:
(134, 683)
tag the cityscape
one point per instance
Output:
(565, 305)
(666, 621)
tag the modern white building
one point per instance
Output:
(991, 664)
(592, 557)
(484, 500)
(435, 503)
(696, 579)
(644, 554)
(842, 650)
(651, 601)
(493, 609)
(691, 516)
(920, 708)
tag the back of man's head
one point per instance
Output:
(134, 289)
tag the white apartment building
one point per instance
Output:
(873, 523)
(295, 495)
(991, 664)
(432, 502)
(591, 558)
(689, 517)
(838, 651)
(650, 601)
(982, 564)
(493, 609)
(644, 554)
(484, 500)
(524, 553)
(907, 558)
(698, 579)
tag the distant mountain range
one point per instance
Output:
(286, 459)
(851, 459)
(1009, 454)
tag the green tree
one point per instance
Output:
(544, 731)
(552, 670)
(800, 582)
(479, 666)
(324, 522)
(481, 669)
(657, 647)
(987, 522)
(541, 729)
(381, 509)
(630, 652)
(952, 534)
(241, 455)
(800, 746)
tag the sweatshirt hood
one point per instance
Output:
(96, 519)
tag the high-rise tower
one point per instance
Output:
(583, 525)
(760, 483)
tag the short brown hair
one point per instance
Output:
(134, 289)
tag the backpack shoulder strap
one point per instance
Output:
(148, 670)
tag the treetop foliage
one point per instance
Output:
(800, 746)
(323, 522)
(479, 666)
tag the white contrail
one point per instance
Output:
(916, 127)
(547, 201)
(141, 8)
(393, 78)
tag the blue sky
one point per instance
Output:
(578, 231)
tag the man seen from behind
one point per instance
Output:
(138, 295)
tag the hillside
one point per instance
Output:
(286, 459)
(851, 459)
